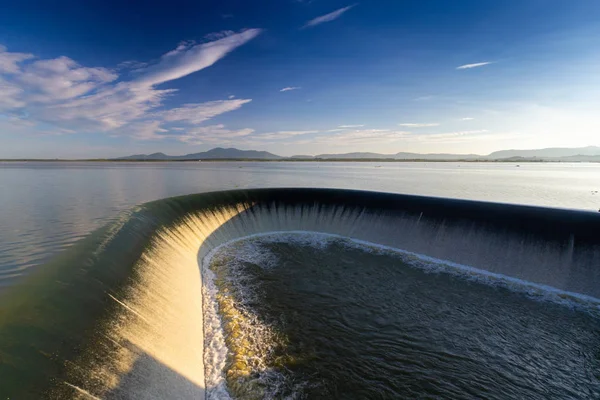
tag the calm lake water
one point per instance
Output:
(45, 207)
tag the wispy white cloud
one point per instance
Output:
(231, 96)
(476, 65)
(9, 61)
(451, 136)
(47, 81)
(407, 125)
(328, 17)
(360, 136)
(10, 96)
(350, 126)
(467, 119)
(287, 89)
(281, 135)
(200, 112)
(373, 137)
(459, 133)
(106, 109)
(62, 95)
(335, 138)
(15, 120)
(213, 134)
(145, 130)
(186, 59)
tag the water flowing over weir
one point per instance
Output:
(121, 312)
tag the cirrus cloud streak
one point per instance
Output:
(475, 65)
(328, 17)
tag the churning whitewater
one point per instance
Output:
(300, 312)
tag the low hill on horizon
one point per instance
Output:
(551, 152)
(213, 154)
(589, 153)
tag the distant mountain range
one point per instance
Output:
(590, 153)
(554, 152)
(217, 153)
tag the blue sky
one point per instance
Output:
(103, 78)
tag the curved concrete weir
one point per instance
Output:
(120, 314)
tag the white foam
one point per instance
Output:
(215, 349)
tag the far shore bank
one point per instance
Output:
(302, 160)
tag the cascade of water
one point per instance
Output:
(122, 311)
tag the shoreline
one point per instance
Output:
(357, 160)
